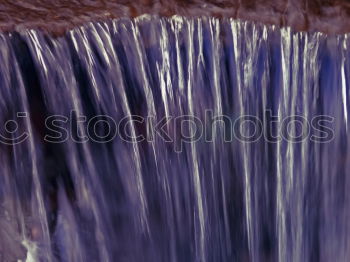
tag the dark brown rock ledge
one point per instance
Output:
(58, 16)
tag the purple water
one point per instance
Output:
(150, 201)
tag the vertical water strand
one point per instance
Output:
(266, 197)
(292, 156)
(92, 188)
(333, 165)
(114, 103)
(214, 31)
(60, 78)
(145, 77)
(38, 204)
(224, 149)
(177, 25)
(87, 40)
(165, 175)
(61, 83)
(182, 184)
(117, 90)
(280, 212)
(7, 186)
(237, 45)
(247, 65)
(253, 109)
(13, 208)
(209, 67)
(163, 70)
(86, 193)
(245, 147)
(340, 191)
(283, 182)
(136, 185)
(311, 153)
(346, 215)
(146, 84)
(119, 32)
(248, 61)
(344, 163)
(343, 80)
(304, 62)
(144, 68)
(300, 244)
(199, 213)
(344, 241)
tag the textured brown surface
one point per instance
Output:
(57, 16)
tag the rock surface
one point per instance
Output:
(58, 16)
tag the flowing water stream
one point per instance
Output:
(272, 199)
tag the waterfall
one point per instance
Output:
(151, 193)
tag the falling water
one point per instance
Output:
(219, 200)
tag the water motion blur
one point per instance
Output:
(218, 201)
